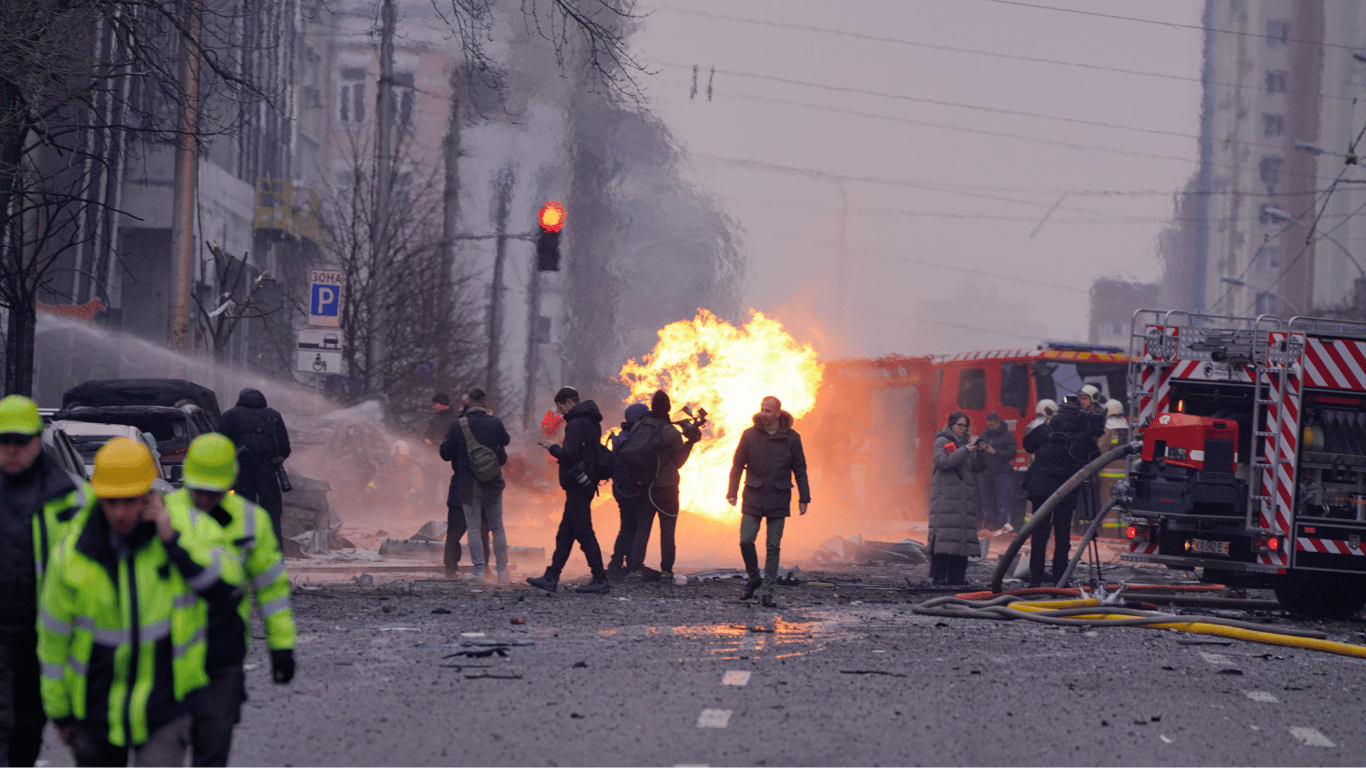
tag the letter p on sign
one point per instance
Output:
(324, 306)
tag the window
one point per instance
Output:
(1268, 258)
(1270, 172)
(1015, 387)
(405, 99)
(351, 101)
(542, 330)
(1266, 303)
(1275, 82)
(1273, 126)
(972, 389)
(1277, 32)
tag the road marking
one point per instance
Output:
(735, 677)
(1217, 659)
(713, 718)
(1310, 736)
(1262, 696)
(751, 643)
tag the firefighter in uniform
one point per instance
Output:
(210, 471)
(39, 501)
(123, 619)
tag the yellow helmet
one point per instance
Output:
(19, 415)
(123, 469)
(211, 463)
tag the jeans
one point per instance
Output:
(1060, 521)
(21, 705)
(217, 709)
(167, 745)
(490, 512)
(994, 494)
(664, 502)
(455, 528)
(749, 532)
(577, 525)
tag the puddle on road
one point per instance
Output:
(779, 639)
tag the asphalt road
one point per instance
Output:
(663, 674)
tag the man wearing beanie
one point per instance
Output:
(582, 431)
(661, 496)
(628, 499)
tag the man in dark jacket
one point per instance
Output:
(769, 457)
(582, 433)
(39, 503)
(628, 499)
(482, 502)
(262, 445)
(661, 495)
(996, 483)
(1061, 447)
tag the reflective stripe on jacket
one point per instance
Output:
(66, 500)
(122, 638)
(227, 624)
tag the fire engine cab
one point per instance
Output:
(1253, 466)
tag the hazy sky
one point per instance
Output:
(950, 141)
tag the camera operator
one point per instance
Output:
(661, 497)
(1061, 447)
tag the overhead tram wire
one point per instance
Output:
(972, 107)
(1309, 244)
(1178, 25)
(980, 52)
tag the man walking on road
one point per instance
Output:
(39, 503)
(210, 470)
(262, 447)
(582, 435)
(769, 457)
(481, 501)
(122, 634)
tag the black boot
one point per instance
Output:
(750, 588)
(615, 570)
(597, 586)
(549, 582)
(769, 602)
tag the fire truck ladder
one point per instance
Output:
(1268, 460)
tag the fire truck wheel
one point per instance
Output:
(1322, 595)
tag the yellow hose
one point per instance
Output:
(1202, 628)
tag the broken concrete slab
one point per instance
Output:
(855, 550)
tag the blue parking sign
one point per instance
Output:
(326, 300)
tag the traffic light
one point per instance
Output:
(551, 219)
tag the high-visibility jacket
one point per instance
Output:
(122, 634)
(227, 624)
(65, 500)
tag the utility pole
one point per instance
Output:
(384, 165)
(186, 182)
(496, 299)
(450, 219)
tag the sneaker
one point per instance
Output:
(648, 574)
(666, 576)
(597, 586)
(547, 582)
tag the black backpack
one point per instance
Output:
(257, 447)
(600, 462)
(637, 458)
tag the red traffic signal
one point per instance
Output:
(551, 217)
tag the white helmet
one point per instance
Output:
(1114, 408)
(1091, 391)
(1046, 408)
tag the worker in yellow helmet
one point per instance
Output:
(122, 619)
(210, 471)
(39, 501)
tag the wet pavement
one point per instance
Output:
(407, 671)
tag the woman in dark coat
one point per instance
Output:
(953, 502)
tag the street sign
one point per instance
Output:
(324, 297)
(319, 339)
(319, 361)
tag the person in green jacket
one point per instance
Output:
(39, 501)
(210, 470)
(123, 619)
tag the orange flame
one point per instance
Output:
(710, 363)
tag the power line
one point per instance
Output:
(1177, 25)
(980, 52)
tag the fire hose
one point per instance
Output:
(1042, 514)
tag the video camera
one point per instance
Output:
(691, 427)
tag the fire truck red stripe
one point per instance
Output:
(1337, 366)
(1355, 357)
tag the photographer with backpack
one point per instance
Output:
(582, 444)
(627, 497)
(654, 452)
(262, 447)
(1061, 447)
(475, 447)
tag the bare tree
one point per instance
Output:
(78, 78)
(426, 327)
(238, 299)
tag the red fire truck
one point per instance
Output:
(1253, 467)
(878, 418)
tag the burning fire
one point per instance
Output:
(709, 363)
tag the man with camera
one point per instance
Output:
(262, 447)
(1061, 447)
(582, 437)
(661, 495)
